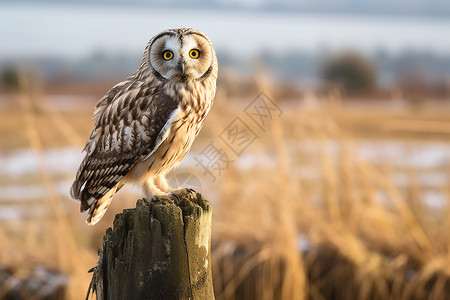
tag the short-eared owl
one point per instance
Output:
(146, 124)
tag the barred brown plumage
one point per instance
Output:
(146, 124)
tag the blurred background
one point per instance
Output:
(339, 188)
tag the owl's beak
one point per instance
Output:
(180, 76)
(180, 68)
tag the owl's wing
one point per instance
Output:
(129, 126)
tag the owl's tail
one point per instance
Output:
(98, 207)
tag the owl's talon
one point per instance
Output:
(156, 199)
(176, 199)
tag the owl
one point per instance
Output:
(146, 124)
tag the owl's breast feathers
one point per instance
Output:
(132, 120)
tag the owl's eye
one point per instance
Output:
(194, 53)
(167, 55)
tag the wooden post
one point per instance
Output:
(157, 251)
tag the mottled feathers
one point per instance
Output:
(125, 131)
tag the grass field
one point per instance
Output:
(332, 200)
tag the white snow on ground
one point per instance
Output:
(427, 158)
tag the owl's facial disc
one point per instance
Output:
(181, 58)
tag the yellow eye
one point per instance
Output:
(167, 55)
(194, 53)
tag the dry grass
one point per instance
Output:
(358, 245)
(348, 232)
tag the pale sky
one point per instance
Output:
(75, 31)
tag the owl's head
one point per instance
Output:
(181, 55)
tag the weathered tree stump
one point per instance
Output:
(157, 251)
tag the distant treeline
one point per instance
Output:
(350, 71)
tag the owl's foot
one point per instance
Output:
(184, 192)
(166, 199)
(173, 197)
